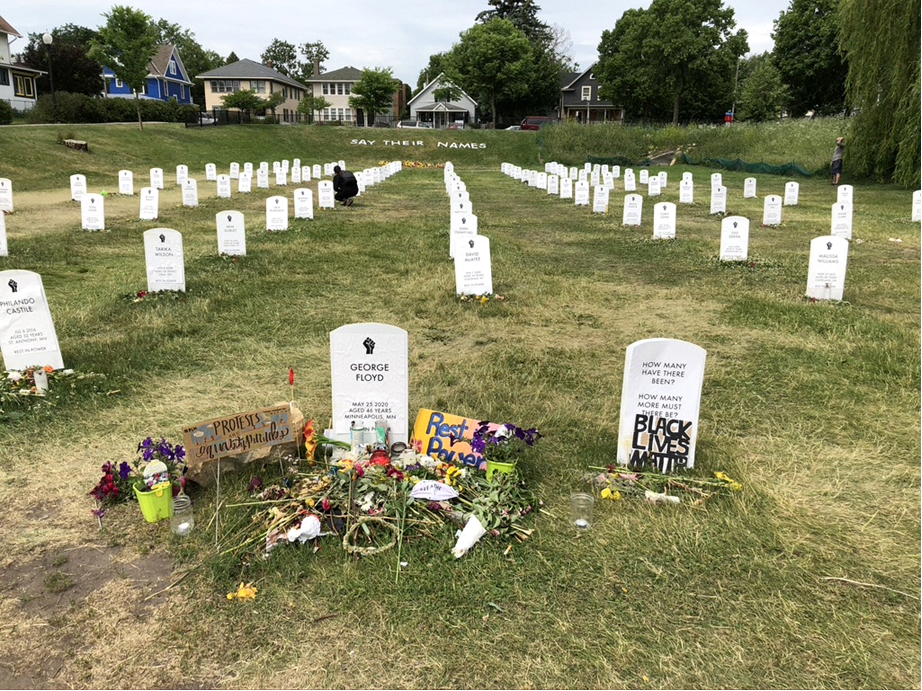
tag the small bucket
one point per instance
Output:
(497, 467)
(157, 504)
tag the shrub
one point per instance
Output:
(6, 113)
(79, 108)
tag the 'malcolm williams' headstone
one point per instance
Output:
(660, 402)
(231, 233)
(826, 273)
(734, 239)
(27, 335)
(93, 212)
(473, 270)
(370, 379)
(163, 253)
(277, 213)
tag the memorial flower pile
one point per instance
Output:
(617, 483)
(482, 299)
(19, 389)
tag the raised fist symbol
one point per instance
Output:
(369, 346)
(13, 285)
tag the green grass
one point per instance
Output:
(808, 578)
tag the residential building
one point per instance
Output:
(260, 79)
(441, 113)
(17, 82)
(336, 88)
(166, 79)
(579, 100)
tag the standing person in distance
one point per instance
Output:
(344, 185)
(837, 160)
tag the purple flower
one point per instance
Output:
(124, 470)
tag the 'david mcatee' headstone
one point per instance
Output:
(231, 233)
(370, 379)
(27, 335)
(734, 239)
(163, 254)
(660, 403)
(93, 212)
(826, 273)
(473, 270)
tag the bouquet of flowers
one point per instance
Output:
(160, 462)
(504, 444)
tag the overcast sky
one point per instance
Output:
(400, 34)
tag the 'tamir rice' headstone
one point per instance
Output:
(325, 197)
(791, 193)
(150, 204)
(664, 219)
(190, 192)
(156, 178)
(224, 186)
(660, 402)
(77, 186)
(686, 192)
(581, 193)
(6, 195)
(166, 269)
(4, 247)
(749, 188)
(916, 206)
(473, 270)
(842, 220)
(93, 212)
(600, 199)
(27, 335)
(211, 172)
(231, 233)
(734, 239)
(304, 203)
(771, 211)
(277, 213)
(370, 379)
(126, 182)
(633, 210)
(826, 273)
(463, 226)
(845, 194)
(566, 188)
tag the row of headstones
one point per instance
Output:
(469, 250)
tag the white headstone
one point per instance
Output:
(276, 166)
(581, 193)
(633, 210)
(566, 188)
(916, 206)
(749, 188)
(248, 168)
(653, 186)
(224, 186)
(4, 247)
(686, 192)
(234, 170)
(717, 180)
(77, 186)
(182, 173)
(842, 220)
(264, 165)
(734, 239)
(281, 178)
(463, 226)
(295, 163)
(150, 204)
(644, 178)
(304, 203)
(718, 200)
(608, 180)
(316, 171)
(600, 199)
(664, 220)
(126, 182)
(541, 181)
(845, 194)
(791, 193)
(156, 178)
(663, 179)
(190, 192)
(369, 366)
(244, 183)
(6, 195)
(277, 213)
(328, 169)
(27, 335)
(595, 178)
(573, 173)
(630, 182)
(616, 171)
(687, 175)
(660, 404)
(305, 173)
(93, 212)
(473, 270)
(325, 196)
(231, 233)
(163, 253)
(553, 184)
(211, 172)
(262, 178)
(826, 274)
(296, 175)
(771, 210)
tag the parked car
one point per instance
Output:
(536, 122)
(414, 125)
(514, 128)
(380, 123)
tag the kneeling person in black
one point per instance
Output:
(345, 185)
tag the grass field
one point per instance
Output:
(808, 578)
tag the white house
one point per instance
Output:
(441, 114)
(17, 82)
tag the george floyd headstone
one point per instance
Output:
(566, 188)
(150, 204)
(370, 379)
(473, 270)
(126, 182)
(93, 212)
(633, 210)
(630, 182)
(600, 199)
(463, 226)
(718, 200)
(917, 206)
(156, 178)
(660, 404)
(277, 213)
(234, 170)
(4, 247)
(244, 183)
(653, 186)
(791, 193)
(231, 233)
(686, 192)
(77, 186)
(842, 220)
(27, 335)
(182, 174)
(826, 273)
(163, 254)
(190, 192)
(553, 184)
(771, 210)
(581, 193)
(734, 239)
(717, 180)
(845, 194)
(6, 195)
(749, 188)
(224, 186)
(262, 178)
(304, 203)
(664, 220)
(211, 172)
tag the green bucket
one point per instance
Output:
(497, 467)
(156, 504)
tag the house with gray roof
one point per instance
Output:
(336, 88)
(580, 102)
(442, 113)
(258, 78)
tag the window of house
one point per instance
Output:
(172, 67)
(340, 113)
(225, 86)
(339, 90)
(591, 76)
(326, 113)
(119, 84)
(348, 115)
(259, 86)
(326, 88)
(586, 93)
(348, 89)
(25, 86)
(4, 76)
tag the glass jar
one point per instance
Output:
(182, 521)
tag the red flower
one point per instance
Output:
(326, 504)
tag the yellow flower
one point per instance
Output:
(733, 484)
(608, 493)
(484, 300)
(244, 592)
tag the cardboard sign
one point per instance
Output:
(440, 435)
(237, 434)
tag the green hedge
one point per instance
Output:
(79, 108)
(6, 113)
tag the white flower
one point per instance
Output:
(14, 376)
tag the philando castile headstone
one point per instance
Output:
(27, 335)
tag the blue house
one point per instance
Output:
(166, 79)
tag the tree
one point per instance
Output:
(438, 63)
(196, 59)
(881, 43)
(274, 100)
(315, 54)
(74, 71)
(491, 62)
(245, 100)
(126, 45)
(282, 56)
(374, 92)
(311, 104)
(762, 93)
(676, 51)
(231, 58)
(524, 16)
(807, 57)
